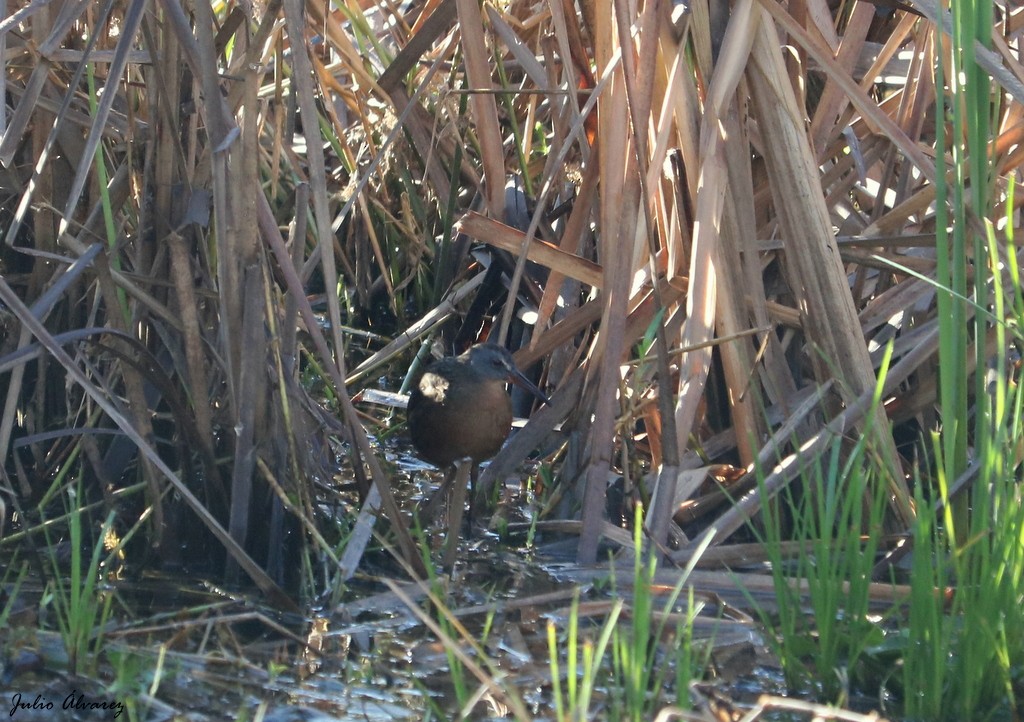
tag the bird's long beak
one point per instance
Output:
(519, 379)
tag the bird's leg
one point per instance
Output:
(430, 510)
(456, 508)
(474, 476)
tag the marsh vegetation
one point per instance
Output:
(760, 256)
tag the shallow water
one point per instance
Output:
(182, 648)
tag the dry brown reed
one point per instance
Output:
(749, 187)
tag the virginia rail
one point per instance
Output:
(460, 407)
(460, 410)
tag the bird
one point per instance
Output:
(460, 410)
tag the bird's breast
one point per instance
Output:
(450, 421)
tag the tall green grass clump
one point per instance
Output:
(965, 658)
(81, 607)
(821, 649)
(965, 654)
(648, 658)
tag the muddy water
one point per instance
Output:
(182, 648)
